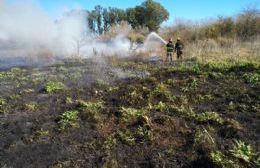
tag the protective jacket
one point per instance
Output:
(179, 46)
(170, 47)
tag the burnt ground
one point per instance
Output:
(130, 114)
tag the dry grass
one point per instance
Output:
(211, 50)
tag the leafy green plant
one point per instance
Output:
(67, 119)
(51, 87)
(75, 76)
(2, 102)
(143, 134)
(161, 91)
(132, 113)
(112, 89)
(181, 100)
(171, 82)
(161, 106)
(203, 140)
(242, 151)
(101, 83)
(31, 107)
(232, 158)
(111, 163)
(193, 83)
(126, 137)
(69, 100)
(15, 96)
(42, 133)
(90, 105)
(222, 160)
(110, 142)
(209, 116)
(90, 110)
(184, 111)
(252, 78)
(204, 98)
(215, 75)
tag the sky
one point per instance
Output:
(194, 10)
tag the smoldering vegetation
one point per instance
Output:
(78, 114)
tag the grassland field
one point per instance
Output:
(131, 113)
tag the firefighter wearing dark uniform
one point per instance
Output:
(179, 48)
(170, 50)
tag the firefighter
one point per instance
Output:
(179, 46)
(170, 50)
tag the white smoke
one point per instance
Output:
(153, 45)
(29, 35)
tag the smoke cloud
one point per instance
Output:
(29, 36)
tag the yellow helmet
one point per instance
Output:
(178, 38)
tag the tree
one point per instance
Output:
(131, 17)
(155, 14)
(91, 20)
(106, 20)
(98, 11)
(150, 14)
(248, 23)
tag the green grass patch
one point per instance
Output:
(31, 107)
(51, 87)
(240, 154)
(222, 160)
(209, 117)
(132, 113)
(68, 119)
(91, 110)
(252, 78)
(101, 83)
(161, 92)
(2, 102)
(242, 151)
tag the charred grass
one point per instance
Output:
(180, 115)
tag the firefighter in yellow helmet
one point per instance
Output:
(179, 46)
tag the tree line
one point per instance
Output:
(244, 26)
(149, 14)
